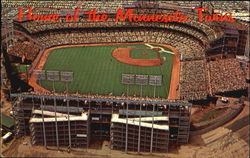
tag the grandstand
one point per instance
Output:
(75, 108)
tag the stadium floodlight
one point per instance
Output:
(128, 79)
(155, 80)
(66, 76)
(141, 80)
(53, 75)
(40, 74)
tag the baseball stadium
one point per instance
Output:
(121, 87)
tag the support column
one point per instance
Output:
(57, 141)
(44, 132)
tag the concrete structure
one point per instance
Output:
(130, 126)
(79, 129)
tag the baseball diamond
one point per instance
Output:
(96, 71)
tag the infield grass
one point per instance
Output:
(143, 53)
(97, 72)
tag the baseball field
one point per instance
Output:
(97, 71)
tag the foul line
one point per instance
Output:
(162, 49)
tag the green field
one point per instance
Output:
(97, 72)
(143, 53)
(21, 68)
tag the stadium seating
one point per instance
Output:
(188, 46)
(25, 49)
(226, 75)
(197, 77)
(193, 80)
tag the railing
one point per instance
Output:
(100, 99)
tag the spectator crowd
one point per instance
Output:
(24, 49)
(193, 80)
(226, 75)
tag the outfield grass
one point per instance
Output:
(97, 72)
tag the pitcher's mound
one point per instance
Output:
(123, 55)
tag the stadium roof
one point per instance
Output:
(83, 117)
(148, 119)
(135, 122)
(49, 113)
